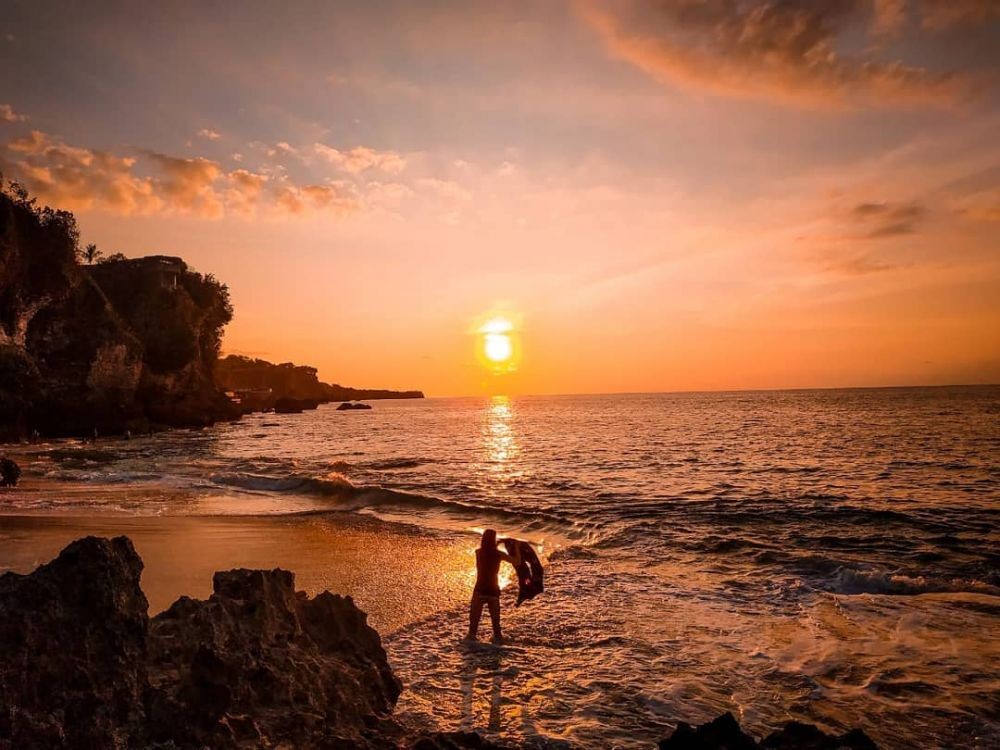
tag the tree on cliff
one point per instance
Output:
(91, 253)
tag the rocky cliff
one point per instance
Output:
(112, 346)
(260, 384)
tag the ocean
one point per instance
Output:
(831, 556)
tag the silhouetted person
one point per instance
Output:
(487, 589)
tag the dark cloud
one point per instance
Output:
(881, 220)
(780, 49)
(947, 14)
(861, 265)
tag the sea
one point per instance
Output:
(829, 556)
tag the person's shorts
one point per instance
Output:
(485, 598)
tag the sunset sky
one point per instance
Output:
(674, 195)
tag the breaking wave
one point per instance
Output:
(851, 581)
(373, 498)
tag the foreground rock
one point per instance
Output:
(73, 649)
(256, 665)
(724, 733)
(258, 661)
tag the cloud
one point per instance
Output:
(881, 220)
(297, 200)
(361, 158)
(79, 178)
(209, 134)
(68, 176)
(7, 114)
(940, 15)
(860, 265)
(449, 190)
(980, 207)
(769, 49)
(189, 184)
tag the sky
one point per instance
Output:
(656, 196)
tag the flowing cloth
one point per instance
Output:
(530, 574)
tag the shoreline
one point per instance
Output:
(348, 553)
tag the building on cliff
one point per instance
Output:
(164, 270)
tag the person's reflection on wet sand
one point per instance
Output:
(490, 663)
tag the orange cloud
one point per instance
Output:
(772, 50)
(361, 158)
(81, 179)
(189, 184)
(7, 114)
(296, 200)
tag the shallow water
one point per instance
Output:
(823, 555)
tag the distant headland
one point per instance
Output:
(111, 344)
(256, 385)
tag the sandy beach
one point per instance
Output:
(395, 574)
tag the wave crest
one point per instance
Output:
(851, 581)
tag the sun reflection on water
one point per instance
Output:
(499, 439)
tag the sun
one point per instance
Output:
(498, 347)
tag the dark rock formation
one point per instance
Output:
(10, 472)
(114, 345)
(294, 405)
(256, 665)
(258, 661)
(456, 741)
(348, 406)
(724, 733)
(796, 736)
(288, 406)
(73, 649)
(258, 385)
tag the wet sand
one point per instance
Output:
(397, 574)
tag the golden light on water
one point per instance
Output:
(500, 450)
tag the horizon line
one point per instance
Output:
(680, 392)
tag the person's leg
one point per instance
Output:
(475, 614)
(494, 605)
